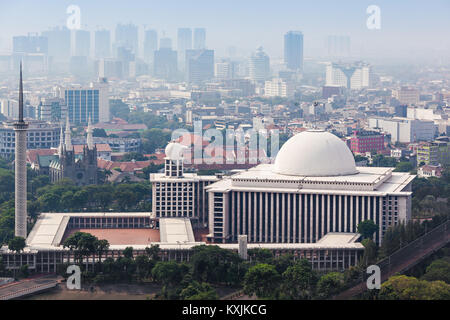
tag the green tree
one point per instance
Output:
(370, 252)
(330, 284)
(169, 272)
(99, 132)
(262, 280)
(299, 280)
(409, 288)
(438, 270)
(101, 247)
(16, 244)
(215, 265)
(153, 252)
(198, 291)
(403, 167)
(128, 252)
(367, 228)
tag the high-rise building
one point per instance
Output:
(293, 50)
(338, 46)
(150, 45)
(127, 36)
(102, 44)
(165, 63)
(279, 88)
(58, 43)
(32, 43)
(224, 70)
(199, 65)
(82, 43)
(353, 76)
(52, 110)
(86, 102)
(259, 66)
(165, 43)
(407, 95)
(199, 38)
(184, 42)
(110, 68)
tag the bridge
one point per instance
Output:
(405, 258)
(18, 289)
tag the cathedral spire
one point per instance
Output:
(61, 142)
(89, 138)
(68, 136)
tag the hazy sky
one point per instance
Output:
(409, 28)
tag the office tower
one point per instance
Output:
(353, 76)
(52, 110)
(83, 102)
(407, 95)
(102, 44)
(199, 65)
(225, 70)
(199, 38)
(82, 43)
(279, 88)
(78, 66)
(184, 42)
(150, 45)
(293, 50)
(165, 43)
(20, 128)
(110, 68)
(58, 43)
(126, 56)
(127, 36)
(165, 64)
(259, 65)
(32, 43)
(338, 46)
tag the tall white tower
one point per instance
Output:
(89, 138)
(20, 127)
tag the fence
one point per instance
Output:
(404, 258)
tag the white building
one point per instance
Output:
(405, 130)
(408, 96)
(179, 194)
(351, 76)
(278, 88)
(312, 189)
(259, 66)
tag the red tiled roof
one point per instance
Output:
(128, 166)
(33, 153)
(101, 147)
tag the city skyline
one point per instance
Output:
(410, 31)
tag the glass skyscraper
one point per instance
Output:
(293, 50)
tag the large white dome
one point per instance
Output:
(315, 153)
(174, 151)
